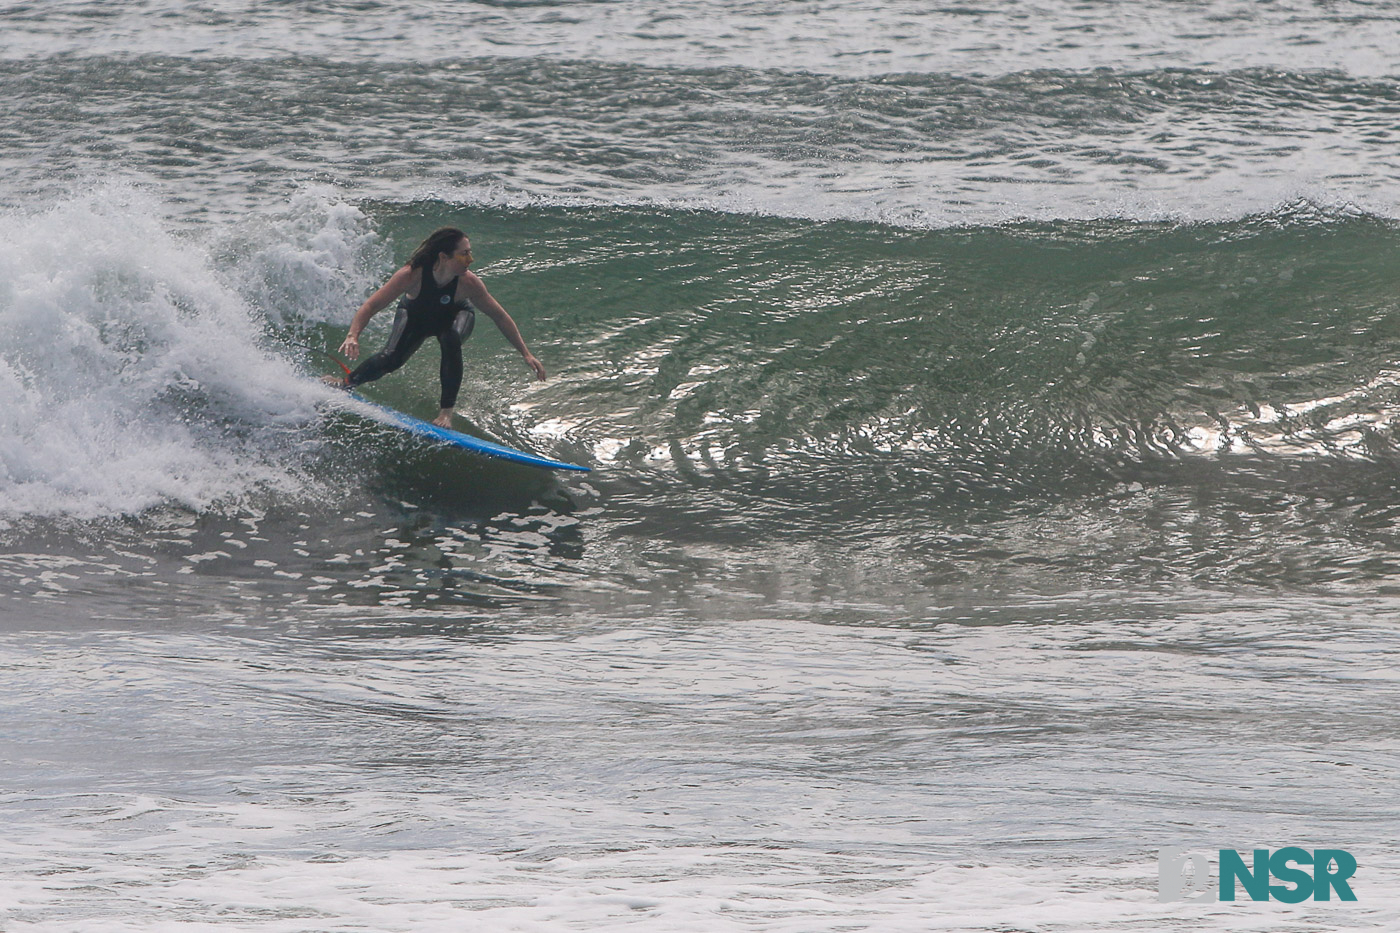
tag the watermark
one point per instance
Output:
(1302, 874)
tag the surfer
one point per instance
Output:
(440, 298)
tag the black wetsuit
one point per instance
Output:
(434, 312)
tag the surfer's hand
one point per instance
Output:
(536, 365)
(351, 347)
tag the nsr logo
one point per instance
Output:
(1184, 876)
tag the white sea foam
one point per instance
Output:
(132, 374)
(188, 867)
(776, 776)
(305, 260)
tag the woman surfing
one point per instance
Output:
(440, 298)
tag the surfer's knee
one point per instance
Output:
(391, 362)
(463, 323)
(451, 341)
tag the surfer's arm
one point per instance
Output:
(399, 283)
(481, 299)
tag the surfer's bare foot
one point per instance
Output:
(444, 418)
(337, 382)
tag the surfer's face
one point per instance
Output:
(463, 254)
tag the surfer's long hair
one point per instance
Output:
(441, 240)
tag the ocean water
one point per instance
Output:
(992, 413)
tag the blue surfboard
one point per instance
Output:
(465, 441)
